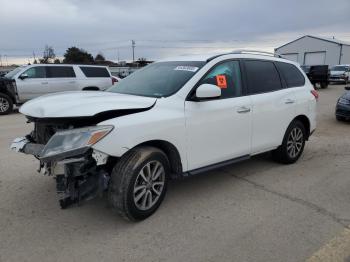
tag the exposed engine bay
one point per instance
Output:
(80, 174)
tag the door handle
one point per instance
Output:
(289, 101)
(44, 83)
(243, 109)
(72, 82)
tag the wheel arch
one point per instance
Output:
(171, 152)
(306, 122)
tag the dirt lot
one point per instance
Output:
(252, 211)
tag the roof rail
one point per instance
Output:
(247, 51)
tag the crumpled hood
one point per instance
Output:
(82, 104)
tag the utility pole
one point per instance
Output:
(118, 54)
(34, 56)
(133, 50)
(0, 61)
(7, 63)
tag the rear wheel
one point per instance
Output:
(340, 118)
(139, 182)
(292, 145)
(6, 104)
(324, 85)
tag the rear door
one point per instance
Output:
(219, 129)
(273, 105)
(61, 78)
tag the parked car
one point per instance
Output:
(317, 74)
(171, 119)
(342, 110)
(340, 74)
(28, 82)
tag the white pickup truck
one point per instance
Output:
(28, 82)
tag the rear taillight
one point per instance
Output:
(315, 94)
(114, 80)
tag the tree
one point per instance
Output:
(100, 58)
(57, 61)
(76, 55)
(48, 56)
(35, 61)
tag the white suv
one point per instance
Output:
(28, 82)
(174, 118)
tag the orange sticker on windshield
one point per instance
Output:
(221, 81)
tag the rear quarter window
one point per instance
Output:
(60, 71)
(95, 71)
(291, 74)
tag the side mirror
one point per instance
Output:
(23, 76)
(347, 88)
(208, 91)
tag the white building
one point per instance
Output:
(312, 50)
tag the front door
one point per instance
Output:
(32, 83)
(219, 129)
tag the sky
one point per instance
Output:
(163, 28)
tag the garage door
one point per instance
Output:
(315, 58)
(292, 57)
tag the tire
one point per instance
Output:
(284, 153)
(127, 183)
(324, 85)
(6, 104)
(340, 118)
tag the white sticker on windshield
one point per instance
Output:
(186, 68)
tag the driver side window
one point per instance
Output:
(36, 72)
(227, 76)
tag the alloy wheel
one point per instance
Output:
(4, 105)
(149, 185)
(295, 142)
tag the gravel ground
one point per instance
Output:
(256, 210)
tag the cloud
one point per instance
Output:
(164, 27)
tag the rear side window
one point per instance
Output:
(262, 76)
(60, 71)
(95, 71)
(291, 74)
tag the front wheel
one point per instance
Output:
(293, 144)
(139, 182)
(6, 104)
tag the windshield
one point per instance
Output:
(340, 68)
(12, 73)
(158, 79)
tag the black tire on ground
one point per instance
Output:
(284, 154)
(324, 85)
(126, 178)
(6, 104)
(340, 118)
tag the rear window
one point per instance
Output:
(60, 72)
(291, 74)
(262, 76)
(95, 71)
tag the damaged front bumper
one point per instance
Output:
(80, 174)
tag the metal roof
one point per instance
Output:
(332, 40)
